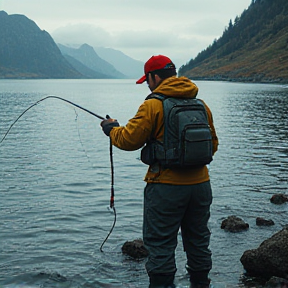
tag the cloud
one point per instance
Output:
(136, 44)
(78, 34)
(180, 44)
(180, 29)
(204, 28)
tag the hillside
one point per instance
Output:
(86, 55)
(252, 49)
(83, 69)
(123, 63)
(28, 52)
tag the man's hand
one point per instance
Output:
(108, 124)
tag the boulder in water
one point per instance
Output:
(263, 222)
(135, 249)
(270, 258)
(234, 224)
(276, 282)
(279, 198)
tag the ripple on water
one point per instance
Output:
(55, 183)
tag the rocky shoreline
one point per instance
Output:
(255, 79)
(268, 262)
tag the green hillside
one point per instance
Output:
(254, 48)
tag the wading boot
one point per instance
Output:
(161, 281)
(199, 285)
(198, 279)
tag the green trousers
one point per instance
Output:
(167, 208)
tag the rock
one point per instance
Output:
(279, 198)
(234, 224)
(270, 258)
(135, 249)
(263, 222)
(276, 282)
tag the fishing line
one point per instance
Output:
(112, 192)
(112, 178)
(110, 149)
(50, 96)
(80, 139)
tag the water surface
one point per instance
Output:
(55, 181)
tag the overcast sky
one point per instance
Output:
(179, 29)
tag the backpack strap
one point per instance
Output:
(156, 96)
(160, 97)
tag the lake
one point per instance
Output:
(55, 181)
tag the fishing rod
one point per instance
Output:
(110, 149)
(47, 97)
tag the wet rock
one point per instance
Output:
(279, 198)
(276, 282)
(270, 258)
(263, 222)
(234, 224)
(135, 249)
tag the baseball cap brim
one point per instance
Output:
(141, 80)
(158, 62)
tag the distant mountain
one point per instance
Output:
(28, 52)
(123, 63)
(84, 70)
(86, 55)
(254, 48)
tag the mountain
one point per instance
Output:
(84, 70)
(28, 52)
(252, 49)
(86, 55)
(123, 63)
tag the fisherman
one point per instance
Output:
(174, 198)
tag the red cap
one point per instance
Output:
(156, 63)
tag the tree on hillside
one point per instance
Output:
(262, 19)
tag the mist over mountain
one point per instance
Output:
(123, 63)
(28, 52)
(86, 55)
(252, 49)
(84, 70)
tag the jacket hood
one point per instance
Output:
(178, 87)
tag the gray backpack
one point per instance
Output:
(187, 135)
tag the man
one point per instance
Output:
(173, 198)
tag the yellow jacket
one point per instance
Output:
(148, 120)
